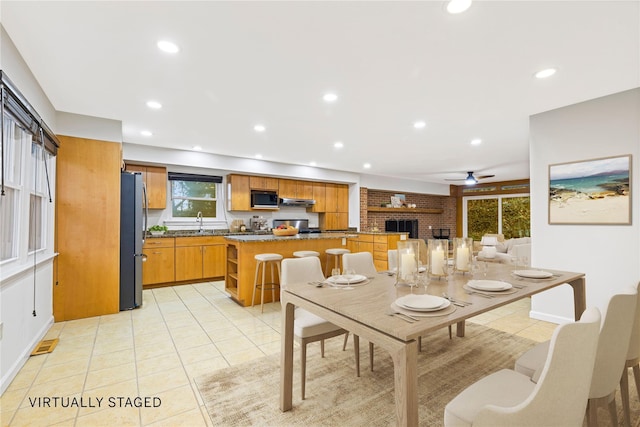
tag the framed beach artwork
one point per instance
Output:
(591, 191)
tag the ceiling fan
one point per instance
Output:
(470, 179)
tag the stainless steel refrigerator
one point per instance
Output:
(133, 223)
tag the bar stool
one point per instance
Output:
(336, 253)
(304, 254)
(264, 260)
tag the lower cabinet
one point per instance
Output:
(376, 243)
(159, 266)
(181, 259)
(199, 257)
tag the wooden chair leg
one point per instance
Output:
(255, 285)
(636, 376)
(264, 269)
(321, 348)
(419, 344)
(346, 338)
(450, 336)
(613, 411)
(624, 393)
(356, 349)
(371, 356)
(303, 367)
(592, 413)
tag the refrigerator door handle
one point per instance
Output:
(146, 213)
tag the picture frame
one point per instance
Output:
(595, 191)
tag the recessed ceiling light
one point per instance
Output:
(146, 133)
(367, 166)
(154, 105)
(476, 141)
(543, 74)
(338, 144)
(458, 6)
(259, 128)
(312, 163)
(419, 124)
(167, 46)
(196, 148)
(258, 156)
(330, 97)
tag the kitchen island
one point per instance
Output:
(241, 264)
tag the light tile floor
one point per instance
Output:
(178, 334)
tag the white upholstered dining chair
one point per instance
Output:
(633, 361)
(392, 259)
(508, 398)
(613, 343)
(308, 327)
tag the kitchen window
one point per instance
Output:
(191, 194)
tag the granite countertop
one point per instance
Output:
(271, 238)
(195, 233)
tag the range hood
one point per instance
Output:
(296, 202)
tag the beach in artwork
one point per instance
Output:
(590, 192)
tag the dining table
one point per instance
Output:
(367, 309)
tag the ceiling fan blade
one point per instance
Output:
(455, 179)
(484, 176)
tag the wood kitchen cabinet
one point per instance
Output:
(263, 183)
(319, 192)
(239, 192)
(336, 216)
(361, 243)
(199, 257)
(334, 221)
(377, 244)
(155, 180)
(159, 266)
(295, 189)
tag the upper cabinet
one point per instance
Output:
(319, 192)
(263, 183)
(155, 180)
(336, 198)
(294, 189)
(239, 194)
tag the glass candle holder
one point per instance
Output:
(408, 256)
(462, 254)
(437, 251)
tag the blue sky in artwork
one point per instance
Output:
(588, 168)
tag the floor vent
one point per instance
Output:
(45, 346)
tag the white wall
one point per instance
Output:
(608, 254)
(21, 329)
(88, 127)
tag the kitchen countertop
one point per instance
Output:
(300, 236)
(225, 233)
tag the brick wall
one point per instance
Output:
(447, 219)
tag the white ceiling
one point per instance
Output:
(391, 63)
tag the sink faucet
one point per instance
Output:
(199, 218)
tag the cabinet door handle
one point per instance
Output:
(157, 253)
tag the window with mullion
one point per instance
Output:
(190, 197)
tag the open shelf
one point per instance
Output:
(405, 210)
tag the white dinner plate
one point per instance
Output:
(489, 285)
(533, 274)
(345, 280)
(422, 302)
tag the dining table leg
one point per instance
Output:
(460, 329)
(579, 297)
(404, 357)
(286, 357)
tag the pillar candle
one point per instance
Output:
(407, 265)
(437, 261)
(462, 258)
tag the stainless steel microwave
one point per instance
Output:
(264, 199)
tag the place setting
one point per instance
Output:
(347, 280)
(490, 288)
(422, 305)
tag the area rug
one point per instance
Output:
(248, 394)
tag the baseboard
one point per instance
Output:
(549, 318)
(24, 356)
